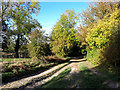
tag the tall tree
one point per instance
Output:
(92, 15)
(100, 32)
(20, 21)
(3, 19)
(98, 10)
(63, 34)
(104, 38)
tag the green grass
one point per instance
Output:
(66, 58)
(110, 74)
(22, 66)
(88, 79)
(9, 72)
(58, 81)
(85, 78)
(82, 67)
(15, 59)
(44, 76)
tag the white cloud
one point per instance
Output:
(47, 30)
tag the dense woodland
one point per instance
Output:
(97, 37)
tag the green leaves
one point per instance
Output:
(38, 45)
(63, 34)
(101, 32)
(102, 38)
(20, 20)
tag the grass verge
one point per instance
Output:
(58, 81)
(12, 73)
(110, 74)
(88, 79)
(84, 79)
(37, 78)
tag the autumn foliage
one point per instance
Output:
(63, 34)
(103, 39)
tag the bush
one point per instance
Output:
(93, 56)
(38, 46)
(104, 40)
(7, 75)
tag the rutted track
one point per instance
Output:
(42, 78)
(22, 83)
(37, 80)
(73, 64)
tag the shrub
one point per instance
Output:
(93, 56)
(103, 39)
(38, 46)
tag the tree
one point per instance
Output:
(97, 11)
(38, 44)
(103, 39)
(92, 15)
(4, 26)
(20, 21)
(63, 34)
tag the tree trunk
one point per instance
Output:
(17, 46)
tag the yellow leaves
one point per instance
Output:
(83, 43)
(32, 5)
(100, 33)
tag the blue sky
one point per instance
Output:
(50, 12)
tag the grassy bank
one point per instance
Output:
(58, 81)
(111, 73)
(16, 68)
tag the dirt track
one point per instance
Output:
(74, 69)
